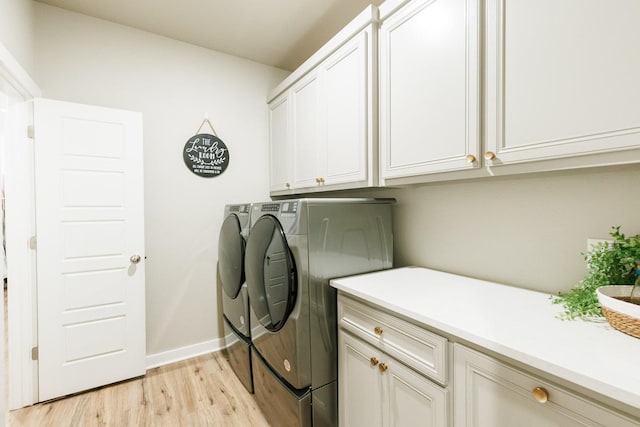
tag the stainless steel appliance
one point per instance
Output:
(295, 247)
(235, 299)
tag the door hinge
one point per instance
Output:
(34, 353)
(30, 131)
(33, 243)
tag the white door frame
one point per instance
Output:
(22, 323)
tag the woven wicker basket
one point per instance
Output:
(619, 312)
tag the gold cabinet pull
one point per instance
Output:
(373, 361)
(377, 330)
(471, 158)
(383, 367)
(288, 185)
(321, 180)
(317, 180)
(540, 394)
(489, 155)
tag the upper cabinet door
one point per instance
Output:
(307, 132)
(280, 144)
(563, 78)
(347, 81)
(333, 119)
(429, 88)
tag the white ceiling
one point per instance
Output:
(280, 33)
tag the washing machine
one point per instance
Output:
(235, 300)
(295, 247)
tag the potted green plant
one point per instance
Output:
(612, 265)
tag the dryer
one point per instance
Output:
(294, 249)
(235, 300)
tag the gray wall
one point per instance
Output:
(526, 230)
(173, 84)
(16, 31)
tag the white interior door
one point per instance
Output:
(90, 229)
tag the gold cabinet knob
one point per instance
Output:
(383, 367)
(540, 394)
(288, 185)
(373, 361)
(377, 330)
(321, 180)
(489, 155)
(471, 158)
(317, 180)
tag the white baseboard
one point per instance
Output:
(183, 353)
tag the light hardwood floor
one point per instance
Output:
(202, 391)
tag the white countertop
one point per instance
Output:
(517, 323)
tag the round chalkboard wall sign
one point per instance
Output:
(206, 155)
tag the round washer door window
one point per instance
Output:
(231, 247)
(271, 273)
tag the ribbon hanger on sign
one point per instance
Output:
(205, 154)
(206, 121)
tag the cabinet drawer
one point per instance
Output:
(422, 350)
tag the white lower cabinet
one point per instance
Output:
(490, 393)
(389, 370)
(392, 372)
(378, 390)
(359, 383)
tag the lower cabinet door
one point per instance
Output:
(377, 390)
(359, 383)
(413, 400)
(488, 392)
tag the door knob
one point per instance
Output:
(489, 155)
(471, 158)
(373, 361)
(135, 259)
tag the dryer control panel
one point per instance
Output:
(289, 207)
(270, 207)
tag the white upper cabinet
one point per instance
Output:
(347, 87)
(467, 88)
(429, 87)
(306, 131)
(332, 126)
(280, 144)
(563, 81)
